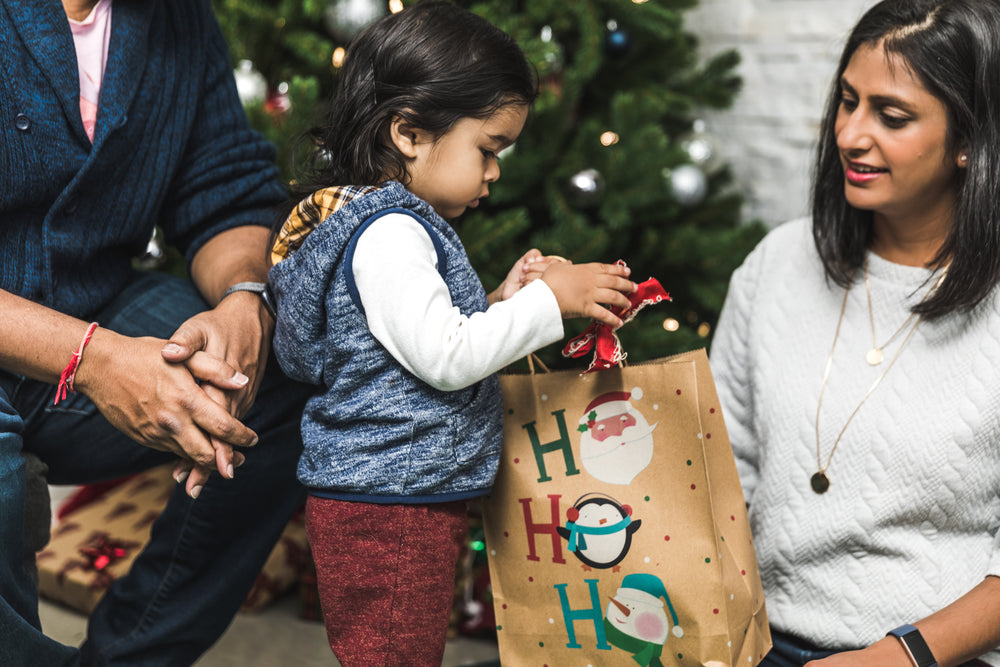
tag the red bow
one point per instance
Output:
(104, 552)
(600, 338)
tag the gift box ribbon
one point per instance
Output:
(602, 340)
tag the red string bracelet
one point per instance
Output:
(66, 379)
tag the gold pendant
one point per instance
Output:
(820, 482)
(874, 356)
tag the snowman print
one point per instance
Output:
(637, 622)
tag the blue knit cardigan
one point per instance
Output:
(172, 147)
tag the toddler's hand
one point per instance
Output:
(535, 267)
(586, 290)
(529, 267)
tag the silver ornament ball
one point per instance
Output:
(688, 184)
(155, 254)
(586, 188)
(702, 148)
(344, 19)
(251, 85)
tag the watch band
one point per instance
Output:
(261, 289)
(915, 646)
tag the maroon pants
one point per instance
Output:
(386, 576)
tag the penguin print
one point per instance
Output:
(599, 531)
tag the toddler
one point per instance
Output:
(379, 308)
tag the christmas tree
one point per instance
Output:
(612, 165)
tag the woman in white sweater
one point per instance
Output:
(858, 358)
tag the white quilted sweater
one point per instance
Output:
(910, 522)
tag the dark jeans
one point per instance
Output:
(789, 651)
(203, 555)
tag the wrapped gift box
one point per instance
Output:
(97, 541)
(102, 529)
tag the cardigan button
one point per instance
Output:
(22, 122)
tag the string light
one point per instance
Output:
(670, 324)
(609, 138)
(395, 6)
(703, 329)
(338, 57)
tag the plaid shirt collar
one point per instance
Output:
(308, 215)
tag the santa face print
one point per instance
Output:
(612, 427)
(616, 442)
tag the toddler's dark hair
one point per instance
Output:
(431, 64)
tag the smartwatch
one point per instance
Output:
(262, 289)
(915, 646)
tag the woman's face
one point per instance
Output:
(891, 134)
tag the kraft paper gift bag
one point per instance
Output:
(617, 530)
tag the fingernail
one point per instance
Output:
(240, 379)
(229, 471)
(181, 476)
(239, 459)
(196, 491)
(173, 348)
(253, 442)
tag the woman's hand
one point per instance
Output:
(887, 652)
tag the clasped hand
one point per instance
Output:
(185, 395)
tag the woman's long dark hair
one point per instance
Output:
(431, 64)
(953, 48)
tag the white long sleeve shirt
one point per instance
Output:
(409, 310)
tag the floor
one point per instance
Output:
(274, 635)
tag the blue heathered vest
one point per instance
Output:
(374, 431)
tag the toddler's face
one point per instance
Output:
(454, 172)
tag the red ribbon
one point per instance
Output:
(104, 552)
(602, 340)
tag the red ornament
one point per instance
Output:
(278, 104)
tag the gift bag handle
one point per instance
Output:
(532, 359)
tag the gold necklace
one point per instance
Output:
(874, 356)
(819, 481)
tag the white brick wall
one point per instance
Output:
(789, 51)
